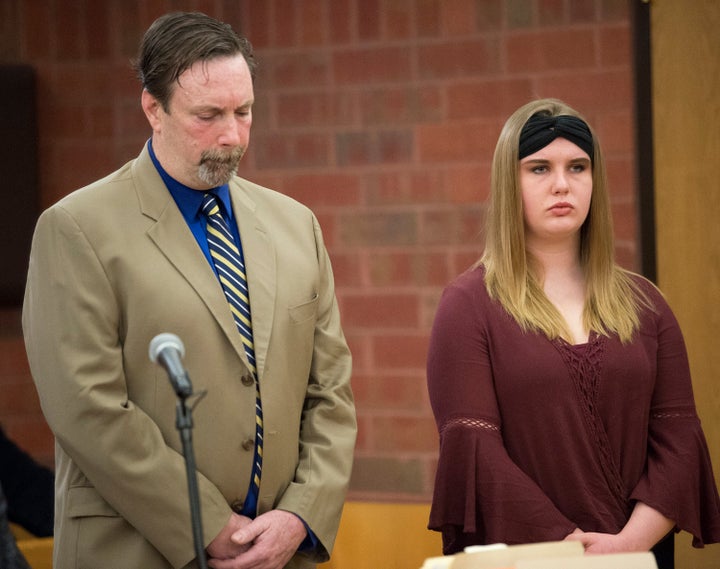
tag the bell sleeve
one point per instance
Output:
(481, 496)
(678, 480)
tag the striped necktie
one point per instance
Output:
(230, 266)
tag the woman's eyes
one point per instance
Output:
(574, 168)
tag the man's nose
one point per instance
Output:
(231, 133)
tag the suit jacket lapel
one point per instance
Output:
(260, 268)
(172, 236)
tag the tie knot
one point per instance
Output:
(210, 205)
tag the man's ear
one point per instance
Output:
(152, 109)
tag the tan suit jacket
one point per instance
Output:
(114, 264)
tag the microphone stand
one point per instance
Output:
(184, 424)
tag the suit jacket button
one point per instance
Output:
(247, 380)
(248, 444)
(237, 506)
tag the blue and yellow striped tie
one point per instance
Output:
(230, 267)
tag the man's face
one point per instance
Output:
(204, 134)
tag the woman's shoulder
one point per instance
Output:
(465, 305)
(467, 291)
(654, 307)
(646, 287)
(471, 281)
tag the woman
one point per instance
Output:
(559, 381)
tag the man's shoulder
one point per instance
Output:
(259, 195)
(99, 189)
(113, 192)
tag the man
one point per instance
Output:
(134, 255)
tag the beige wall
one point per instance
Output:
(686, 100)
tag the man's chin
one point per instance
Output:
(216, 176)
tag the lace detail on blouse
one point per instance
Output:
(468, 422)
(584, 363)
(672, 415)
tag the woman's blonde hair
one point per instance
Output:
(613, 299)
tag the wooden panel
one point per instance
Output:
(686, 109)
(383, 535)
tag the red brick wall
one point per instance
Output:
(380, 115)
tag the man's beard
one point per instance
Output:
(217, 167)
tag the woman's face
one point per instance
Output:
(556, 187)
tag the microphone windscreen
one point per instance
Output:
(162, 342)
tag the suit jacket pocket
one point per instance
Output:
(103, 538)
(84, 501)
(305, 311)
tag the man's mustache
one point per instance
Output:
(231, 157)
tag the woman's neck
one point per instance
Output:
(562, 279)
(555, 260)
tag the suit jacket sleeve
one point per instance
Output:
(328, 425)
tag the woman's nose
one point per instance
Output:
(560, 183)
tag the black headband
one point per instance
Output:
(540, 130)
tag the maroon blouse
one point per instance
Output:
(538, 437)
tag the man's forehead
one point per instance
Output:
(214, 80)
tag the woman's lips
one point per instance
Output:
(561, 208)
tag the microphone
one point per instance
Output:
(168, 350)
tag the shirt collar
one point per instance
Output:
(189, 200)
